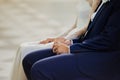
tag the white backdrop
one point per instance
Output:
(31, 20)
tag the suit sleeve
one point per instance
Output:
(105, 41)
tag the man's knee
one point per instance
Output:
(30, 59)
(26, 60)
(40, 71)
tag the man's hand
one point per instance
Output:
(60, 48)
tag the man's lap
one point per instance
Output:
(62, 67)
(65, 64)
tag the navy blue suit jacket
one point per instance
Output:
(103, 32)
(99, 51)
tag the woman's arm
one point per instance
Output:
(73, 32)
(69, 30)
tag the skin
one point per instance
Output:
(61, 45)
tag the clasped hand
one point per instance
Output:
(60, 46)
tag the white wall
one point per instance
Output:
(31, 20)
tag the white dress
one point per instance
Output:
(24, 49)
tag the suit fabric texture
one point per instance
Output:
(95, 56)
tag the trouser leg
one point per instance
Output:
(31, 58)
(59, 67)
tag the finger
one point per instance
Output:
(54, 45)
(55, 41)
(68, 42)
(42, 42)
(50, 39)
(55, 50)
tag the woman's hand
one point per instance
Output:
(48, 40)
(59, 39)
(60, 48)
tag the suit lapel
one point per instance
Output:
(91, 25)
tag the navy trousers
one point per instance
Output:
(45, 65)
